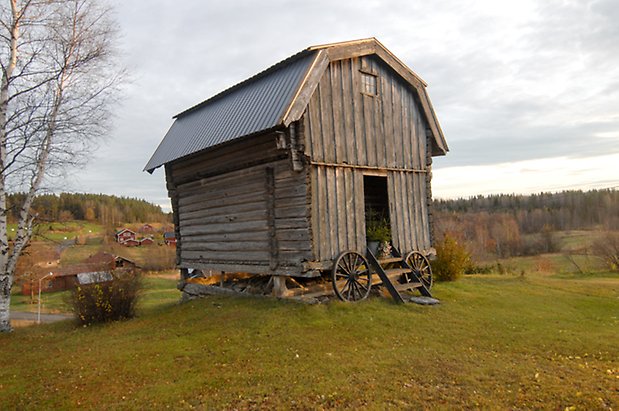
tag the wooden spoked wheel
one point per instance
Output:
(421, 266)
(351, 277)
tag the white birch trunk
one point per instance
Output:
(69, 96)
(6, 275)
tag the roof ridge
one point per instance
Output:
(343, 43)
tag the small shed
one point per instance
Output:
(279, 174)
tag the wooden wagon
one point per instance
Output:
(277, 175)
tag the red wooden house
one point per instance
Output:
(124, 235)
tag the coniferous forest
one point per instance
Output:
(102, 208)
(511, 225)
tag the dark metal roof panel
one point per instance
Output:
(254, 105)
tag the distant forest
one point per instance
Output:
(104, 209)
(509, 224)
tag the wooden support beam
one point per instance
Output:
(279, 286)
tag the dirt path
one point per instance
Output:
(24, 319)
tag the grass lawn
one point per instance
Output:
(156, 292)
(494, 342)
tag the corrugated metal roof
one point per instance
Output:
(255, 105)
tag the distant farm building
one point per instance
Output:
(146, 229)
(169, 238)
(147, 241)
(90, 270)
(129, 238)
(123, 235)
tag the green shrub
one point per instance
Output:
(108, 301)
(452, 259)
(377, 227)
(473, 268)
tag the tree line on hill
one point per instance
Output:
(509, 224)
(107, 210)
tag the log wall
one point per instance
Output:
(241, 209)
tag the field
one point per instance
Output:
(157, 291)
(496, 341)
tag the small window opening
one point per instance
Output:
(368, 84)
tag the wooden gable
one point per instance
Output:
(363, 54)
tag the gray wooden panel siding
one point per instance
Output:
(338, 212)
(408, 210)
(338, 222)
(345, 125)
(224, 220)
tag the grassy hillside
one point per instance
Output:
(494, 342)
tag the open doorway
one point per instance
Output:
(377, 221)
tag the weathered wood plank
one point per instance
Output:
(292, 211)
(359, 211)
(227, 246)
(291, 223)
(347, 102)
(326, 116)
(411, 208)
(198, 210)
(269, 190)
(232, 256)
(323, 217)
(335, 85)
(340, 197)
(294, 234)
(370, 132)
(334, 245)
(394, 209)
(259, 215)
(349, 210)
(206, 200)
(388, 127)
(233, 227)
(351, 50)
(226, 237)
(358, 113)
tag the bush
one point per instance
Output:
(451, 261)
(108, 301)
(607, 248)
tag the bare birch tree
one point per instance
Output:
(59, 79)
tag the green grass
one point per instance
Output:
(58, 232)
(156, 292)
(495, 342)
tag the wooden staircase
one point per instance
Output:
(396, 275)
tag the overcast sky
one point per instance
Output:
(527, 92)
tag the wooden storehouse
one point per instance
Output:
(275, 175)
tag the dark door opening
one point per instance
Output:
(376, 197)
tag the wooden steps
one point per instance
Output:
(385, 261)
(394, 279)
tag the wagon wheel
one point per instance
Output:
(351, 277)
(420, 265)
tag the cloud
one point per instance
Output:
(511, 81)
